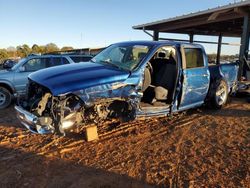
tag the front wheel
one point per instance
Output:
(220, 94)
(5, 98)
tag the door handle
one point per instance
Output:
(205, 75)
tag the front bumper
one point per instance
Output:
(30, 121)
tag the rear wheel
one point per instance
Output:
(220, 95)
(5, 98)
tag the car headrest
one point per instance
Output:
(141, 55)
(161, 55)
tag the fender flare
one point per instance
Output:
(215, 76)
(8, 85)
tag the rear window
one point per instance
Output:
(65, 61)
(194, 58)
(78, 59)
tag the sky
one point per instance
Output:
(92, 23)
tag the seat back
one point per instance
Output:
(147, 79)
(166, 75)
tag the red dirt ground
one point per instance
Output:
(204, 148)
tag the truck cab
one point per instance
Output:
(176, 74)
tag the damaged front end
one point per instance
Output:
(42, 112)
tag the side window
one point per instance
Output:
(64, 61)
(87, 58)
(47, 62)
(194, 57)
(34, 65)
(76, 59)
(56, 61)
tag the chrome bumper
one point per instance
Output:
(29, 120)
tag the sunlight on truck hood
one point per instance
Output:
(69, 78)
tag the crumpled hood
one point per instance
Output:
(73, 77)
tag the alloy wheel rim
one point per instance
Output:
(2, 98)
(221, 94)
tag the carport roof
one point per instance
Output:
(226, 20)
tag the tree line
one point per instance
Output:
(24, 50)
(213, 57)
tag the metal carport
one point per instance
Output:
(232, 20)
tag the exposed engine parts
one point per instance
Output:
(58, 114)
(42, 103)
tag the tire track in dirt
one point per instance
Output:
(201, 148)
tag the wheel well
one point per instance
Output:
(212, 86)
(7, 87)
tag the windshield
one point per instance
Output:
(126, 56)
(17, 65)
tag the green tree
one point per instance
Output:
(3, 54)
(42, 49)
(51, 47)
(11, 52)
(27, 49)
(36, 49)
(65, 48)
(20, 51)
(23, 51)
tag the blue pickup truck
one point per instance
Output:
(125, 81)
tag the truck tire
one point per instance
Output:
(220, 95)
(5, 98)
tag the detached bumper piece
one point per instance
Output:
(35, 124)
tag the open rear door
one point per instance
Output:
(196, 77)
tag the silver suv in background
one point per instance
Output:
(13, 80)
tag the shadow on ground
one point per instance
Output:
(39, 171)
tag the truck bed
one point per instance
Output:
(228, 71)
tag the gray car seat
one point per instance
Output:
(159, 80)
(165, 77)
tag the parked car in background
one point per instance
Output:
(8, 63)
(125, 81)
(13, 80)
(80, 58)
